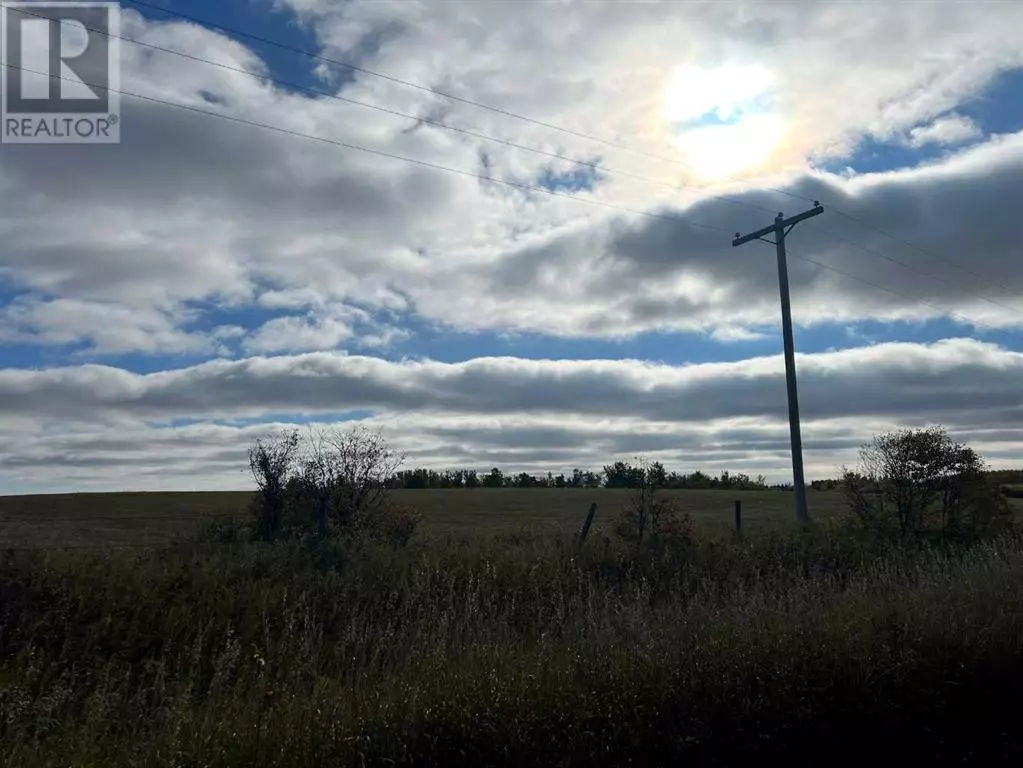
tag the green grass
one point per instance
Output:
(513, 651)
(126, 519)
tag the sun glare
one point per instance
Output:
(721, 120)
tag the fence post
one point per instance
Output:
(738, 517)
(588, 523)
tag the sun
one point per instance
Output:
(721, 120)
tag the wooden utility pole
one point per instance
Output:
(781, 229)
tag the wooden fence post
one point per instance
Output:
(738, 517)
(588, 523)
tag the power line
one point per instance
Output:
(458, 171)
(955, 315)
(903, 264)
(579, 134)
(595, 166)
(928, 252)
(485, 137)
(781, 229)
(440, 124)
(383, 153)
(391, 78)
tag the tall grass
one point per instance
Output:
(512, 651)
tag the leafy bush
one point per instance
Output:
(271, 461)
(922, 484)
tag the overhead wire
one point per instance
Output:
(234, 31)
(596, 167)
(940, 310)
(461, 172)
(383, 153)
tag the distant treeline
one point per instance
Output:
(1007, 476)
(618, 475)
(621, 474)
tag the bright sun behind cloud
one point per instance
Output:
(720, 120)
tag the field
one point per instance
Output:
(490, 640)
(130, 519)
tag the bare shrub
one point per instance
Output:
(331, 480)
(359, 465)
(650, 516)
(271, 461)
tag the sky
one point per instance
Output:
(501, 233)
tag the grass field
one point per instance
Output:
(130, 519)
(513, 651)
(488, 647)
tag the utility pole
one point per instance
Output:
(781, 229)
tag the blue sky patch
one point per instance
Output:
(260, 19)
(580, 178)
(999, 108)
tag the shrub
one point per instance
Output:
(327, 482)
(651, 517)
(922, 484)
(395, 524)
(271, 461)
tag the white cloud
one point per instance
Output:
(104, 327)
(951, 129)
(728, 335)
(190, 210)
(86, 424)
(881, 379)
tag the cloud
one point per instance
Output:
(956, 376)
(730, 335)
(104, 327)
(86, 424)
(951, 129)
(191, 210)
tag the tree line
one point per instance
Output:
(620, 474)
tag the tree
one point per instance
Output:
(915, 482)
(621, 474)
(318, 480)
(525, 480)
(271, 461)
(495, 479)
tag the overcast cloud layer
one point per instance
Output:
(202, 239)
